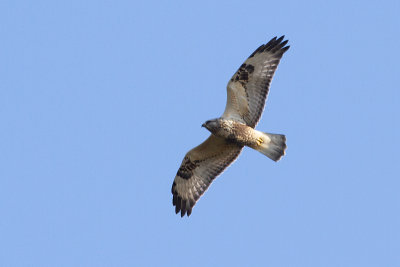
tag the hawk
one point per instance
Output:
(247, 91)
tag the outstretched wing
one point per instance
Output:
(249, 86)
(199, 168)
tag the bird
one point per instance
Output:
(247, 91)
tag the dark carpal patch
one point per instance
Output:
(186, 169)
(249, 68)
(242, 75)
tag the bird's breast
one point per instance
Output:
(236, 132)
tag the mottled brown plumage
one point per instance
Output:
(247, 91)
(233, 131)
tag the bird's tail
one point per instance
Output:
(271, 145)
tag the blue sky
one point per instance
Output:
(100, 100)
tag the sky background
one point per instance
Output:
(100, 101)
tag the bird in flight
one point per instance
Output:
(247, 91)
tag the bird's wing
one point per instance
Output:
(248, 88)
(199, 168)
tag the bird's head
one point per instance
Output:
(211, 125)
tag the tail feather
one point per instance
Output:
(273, 146)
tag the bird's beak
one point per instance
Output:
(203, 125)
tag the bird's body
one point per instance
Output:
(247, 91)
(235, 132)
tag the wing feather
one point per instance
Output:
(247, 90)
(199, 168)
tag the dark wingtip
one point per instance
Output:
(180, 205)
(284, 49)
(280, 39)
(284, 43)
(183, 208)
(275, 45)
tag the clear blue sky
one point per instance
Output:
(100, 100)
